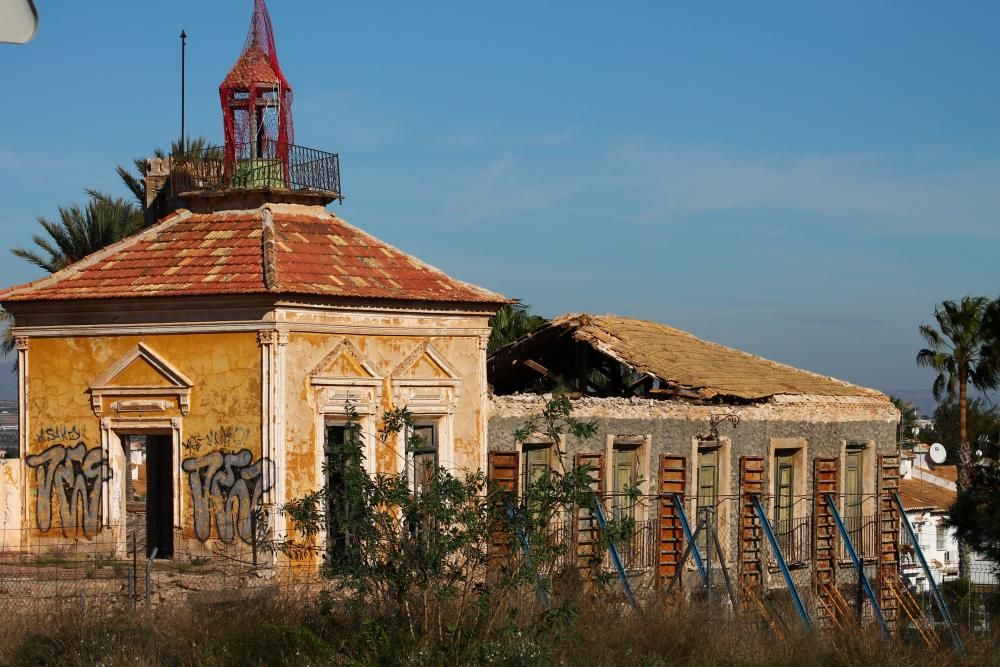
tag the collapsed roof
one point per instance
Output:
(611, 355)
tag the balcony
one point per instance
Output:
(262, 165)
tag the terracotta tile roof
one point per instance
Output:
(278, 248)
(251, 67)
(921, 494)
(684, 361)
(948, 473)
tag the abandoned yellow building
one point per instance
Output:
(174, 383)
(218, 348)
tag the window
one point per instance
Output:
(342, 448)
(422, 456)
(708, 489)
(422, 465)
(784, 495)
(624, 476)
(853, 491)
(537, 464)
(942, 538)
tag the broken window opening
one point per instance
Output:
(344, 460)
(149, 493)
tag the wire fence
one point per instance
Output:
(43, 575)
(44, 572)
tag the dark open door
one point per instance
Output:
(160, 496)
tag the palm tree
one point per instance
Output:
(962, 351)
(136, 182)
(512, 321)
(7, 343)
(82, 231)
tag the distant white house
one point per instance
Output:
(927, 491)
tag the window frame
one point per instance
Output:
(640, 445)
(411, 454)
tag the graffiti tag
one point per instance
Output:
(225, 489)
(73, 477)
(61, 433)
(224, 437)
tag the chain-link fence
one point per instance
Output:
(57, 573)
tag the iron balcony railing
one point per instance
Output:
(259, 165)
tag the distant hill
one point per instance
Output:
(8, 381)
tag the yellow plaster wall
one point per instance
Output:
(223, 368)
(385, 351)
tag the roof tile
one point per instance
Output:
(221, 253)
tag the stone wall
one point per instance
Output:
(820, 426)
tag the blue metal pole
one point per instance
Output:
(615, 558)
(540, 591)
(858, 565)
(695, 552)
(935, 592)
(778, 556)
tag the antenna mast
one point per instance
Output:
(183, 53)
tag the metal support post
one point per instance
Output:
(615, 557)
(688, 550)
(543, 595)
(706, 520)
(679, 506)
(149, 577)
(782, 565)
(858, 565)
(725, 570)
(935, 592)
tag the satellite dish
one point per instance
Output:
(938, 453)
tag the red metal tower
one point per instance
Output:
(256, 98)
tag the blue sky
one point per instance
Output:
(800, 180)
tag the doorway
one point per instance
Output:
(149, 493)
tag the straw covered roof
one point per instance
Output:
(678, 359)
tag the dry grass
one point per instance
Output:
(294, 632)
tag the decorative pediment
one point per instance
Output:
(344, 361)
(135, 378)
(425, 363)
(344, 375)
(425, 381)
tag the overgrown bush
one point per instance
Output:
(448, 559)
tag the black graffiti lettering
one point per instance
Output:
(75, 476)
(63, 433)
(225, 489)
(193, 444)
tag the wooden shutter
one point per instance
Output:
(502, 475)
(888, 528)
(751, 533)
(824, 534)
(670, 539)
(587, 532)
